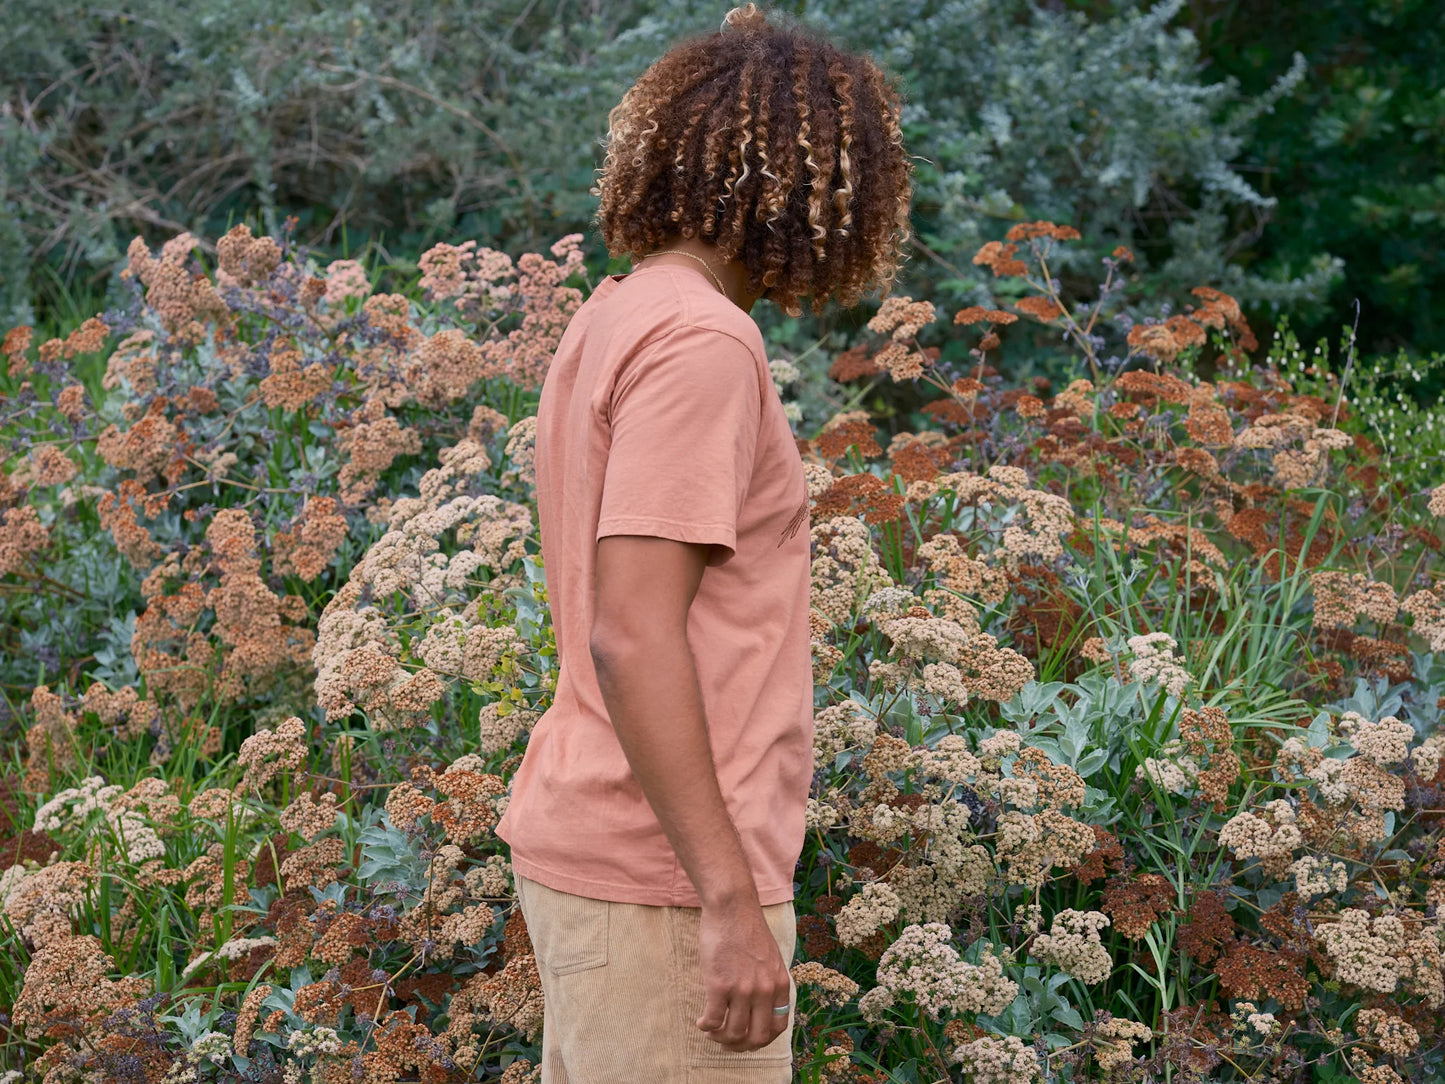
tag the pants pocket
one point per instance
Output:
(569, 933)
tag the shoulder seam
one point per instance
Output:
(693, 326)
(689, 319)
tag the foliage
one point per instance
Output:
(222, 463)
(1127, 694)
(1353, 154)
(403, 120)
(1024, 111)
(437, 119)
(1385, 395)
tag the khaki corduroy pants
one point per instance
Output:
(623, 988)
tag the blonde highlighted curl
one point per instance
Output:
(754, 139)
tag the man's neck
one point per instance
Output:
(733, 275)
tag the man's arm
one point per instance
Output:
(648, 680)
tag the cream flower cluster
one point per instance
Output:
(845, 568)
(923, 963)
(1073, 945)
(1343, 597)
(962, 662)
(1114, 1045)
(357, 652)
(1252, 1025)
(1319, 877)
(1427, 607)
(125, 815)
(490, 881)
(1381, 953)
(1384, 742)
(1360, 790)
(1173, 774)
(1393, 1034)
(830, 988)
(309, 816)
(1155, 663)
(990, 1060)
(839, 728)
(876, 905)
(1437, 500)
(1030, 846)
(1030, 523)
(267, 753)
(1272, 838)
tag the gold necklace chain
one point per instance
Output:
(691, 256)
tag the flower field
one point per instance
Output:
(1128, 692)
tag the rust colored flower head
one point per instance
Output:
(755, 139)
(1028, 231)
(1000, 258)
(1043, 309)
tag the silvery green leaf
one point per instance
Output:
(1068, 1015)
(1050, 747)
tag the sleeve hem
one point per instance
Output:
(721, 535)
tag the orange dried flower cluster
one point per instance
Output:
(855, 362)
(1000, 259)
(1043, 309)
(1166, 341)
(1029, 231)
(372, 444)
(1154, 388)
(1135, 905)
(850, 430)
(1208, 738)
(149, 447)
(977, 314)
(246, 260)
(865, 493)
(13, 347)
(1222, 311)
(315, 536)
(289, 385)
(22, 536)
(67, 994)
(181, 298)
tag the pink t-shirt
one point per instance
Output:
(658, 417)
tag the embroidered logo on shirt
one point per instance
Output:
(793, 524)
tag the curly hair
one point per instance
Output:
(771, 144)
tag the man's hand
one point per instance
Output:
(648, 679)
(744, 976)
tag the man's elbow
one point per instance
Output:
(611, 647)
(617, 646)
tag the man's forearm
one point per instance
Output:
(650, 687)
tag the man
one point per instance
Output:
(657, 818)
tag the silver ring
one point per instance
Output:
(780, 1010)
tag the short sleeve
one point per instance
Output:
(685, 415)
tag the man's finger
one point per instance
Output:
(714, 1011)
(760, 1029)
(766, 1024)
(739, 1021)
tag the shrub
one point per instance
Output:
(1349, 154)
(1018, 110)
